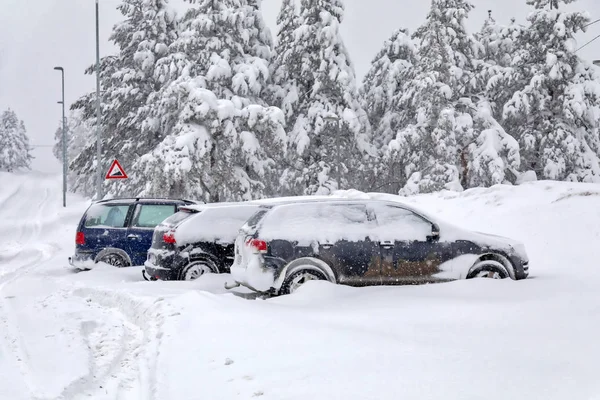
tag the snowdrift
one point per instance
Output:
(106, 334)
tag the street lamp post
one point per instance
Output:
(64, 136)
(336, 120)
(98, 149)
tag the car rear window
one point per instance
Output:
(106, 216)
(179, 216)
(250, 225)
(220, 224)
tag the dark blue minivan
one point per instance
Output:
(119, 231)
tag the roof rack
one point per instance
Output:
(147, 198)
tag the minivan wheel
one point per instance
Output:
(489, 269)
(115, 260)
(196, 269)
(297, 279)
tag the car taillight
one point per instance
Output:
(80, 238)
(169, 238)
(260, 246)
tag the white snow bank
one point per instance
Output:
(117, 336)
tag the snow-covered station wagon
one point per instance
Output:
(365, 242)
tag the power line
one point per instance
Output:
(592, 23)
(588, 43)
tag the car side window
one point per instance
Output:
(150, 215)
(400, 224)
(343, 222)
(106, 216)
(345, 214)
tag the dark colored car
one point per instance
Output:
(119, 231)
(364, 242)
(196, 240)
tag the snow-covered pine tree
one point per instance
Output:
(380, 96)
(57, 149)
(80, 134)
(450, 132)
(15, 151)
(555, 116)
(489, 37)
(496, 74)
(218, 140)
(284, 91)
(383, 85)
(127, 79)
(330, 124)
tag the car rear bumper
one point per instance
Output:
(165, 265)
(164, 274)
(82, 260)
(254, 275)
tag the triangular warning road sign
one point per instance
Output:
(116, 171)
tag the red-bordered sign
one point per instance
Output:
(116, 171)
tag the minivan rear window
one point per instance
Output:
(106, 216)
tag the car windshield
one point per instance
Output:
(106, 215)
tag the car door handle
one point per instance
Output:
(133, 237)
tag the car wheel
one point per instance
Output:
(196, 269)
(489, 269)
(297, 279)
(115, 260)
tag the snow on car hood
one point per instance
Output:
(449, 232)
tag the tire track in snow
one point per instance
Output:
(112, 350)
(121, 365)
(11, 338)
(32, 255)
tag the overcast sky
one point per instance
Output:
(37, 35)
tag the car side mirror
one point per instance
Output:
(435, 233)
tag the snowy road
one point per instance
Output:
(107, 334)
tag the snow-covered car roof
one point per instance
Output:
(263, 202)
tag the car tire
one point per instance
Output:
(114, 259)
(196, 269)
(490, 269)
(298, 278)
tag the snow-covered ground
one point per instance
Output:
(107, 334)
